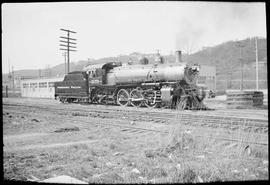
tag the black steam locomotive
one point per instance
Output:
(157, 85)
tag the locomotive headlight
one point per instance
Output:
(195, 68)
(201, 93)
(191, 73)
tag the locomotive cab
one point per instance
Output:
(98, 73)
(95, 76)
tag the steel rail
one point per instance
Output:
(158, 131)
(238, 116)
(198, 119)
(227, 113)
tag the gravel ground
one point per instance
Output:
(39, 144)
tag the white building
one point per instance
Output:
(39, 87)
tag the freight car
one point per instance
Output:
(152, 85)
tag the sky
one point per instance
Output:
(31, 31)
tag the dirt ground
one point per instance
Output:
(41, 141)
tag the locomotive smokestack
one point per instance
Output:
(178, 56)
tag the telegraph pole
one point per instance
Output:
(65, 55)
(13, 82)
(48, 70)
(241, 61)
(39, 73)
(67, 44)
(257, 65)
(9, 74)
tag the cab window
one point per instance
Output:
(95, 73)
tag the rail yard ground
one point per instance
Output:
(110, 144)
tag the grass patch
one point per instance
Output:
(187, 158)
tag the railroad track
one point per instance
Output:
(136, 129)
(131, 130)
(123, 126)
(247, 113)
(228, 113)
(188, 118)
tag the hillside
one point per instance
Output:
(224, 56)
(226, 59)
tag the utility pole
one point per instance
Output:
(67, 44)
(9, 74)
(39, 73)
(65, 55)
(241, 61)
(48, 70)
(231, 71)
(257, 65)
(13, 80)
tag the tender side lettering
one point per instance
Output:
(63, 87)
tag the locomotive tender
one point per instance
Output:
(152, 85)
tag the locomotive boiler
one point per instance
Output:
(152, 85)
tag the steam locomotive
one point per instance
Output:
(162, 84)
